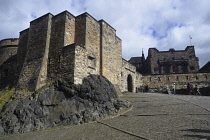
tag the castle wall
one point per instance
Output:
(180, 80)
(73, 66)
(9, 42)
(118, 59)
(87, 33)
(8, 74)
(71, 48)
(34, 72)
(67, 63)
(8, 48)
(179, 58)
(6, 53)
(56, 44)
(69, 31)
(128, 77)
(80, 29)
(93, 43)
(22, 49)
(111, 61)
(81, 64)
(62, 34)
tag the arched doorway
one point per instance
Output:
(130, 83)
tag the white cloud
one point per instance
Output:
(140, 24)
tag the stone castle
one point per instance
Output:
(166, 62)
(72, 47)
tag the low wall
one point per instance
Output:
(179, 81)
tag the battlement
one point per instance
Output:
(171, 50)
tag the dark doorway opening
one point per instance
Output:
(130, 83)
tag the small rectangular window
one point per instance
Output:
(91, 62)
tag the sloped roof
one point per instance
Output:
(206, 67)
(135, 60)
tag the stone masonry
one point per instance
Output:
(72, 47)
(172, 61)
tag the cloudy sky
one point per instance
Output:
(163, 24)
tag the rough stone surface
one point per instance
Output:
(179, 80)
(172, 61)
(61, 104)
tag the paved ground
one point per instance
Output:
(153, 116)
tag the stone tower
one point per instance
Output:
(68, 47)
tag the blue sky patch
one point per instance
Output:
(33, 15)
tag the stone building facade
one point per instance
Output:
(177, 81)
(139, 63)
(172, 61)
(72, 47)
(69, 47)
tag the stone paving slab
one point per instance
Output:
(153, 116)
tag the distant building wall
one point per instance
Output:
(9, 42)
(164, 62)
(8, 48)
(180, 80)
(128, 77)
(8, 72)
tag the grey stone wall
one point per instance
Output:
(6, 53)
(82, 67)
(8, 72)
(92, 43)
(56, 44)
(80, 29)
(180, 80)
(68, 47)
(69, 31)
(9, 42)
(22, 49)
(34, 72)
(128, 77)
(67, 64)
(8, 48)
(176, 61)
(111, 61)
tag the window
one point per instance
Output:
(91, 62)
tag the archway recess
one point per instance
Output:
(130, 83)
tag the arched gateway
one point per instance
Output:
(130, 83)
